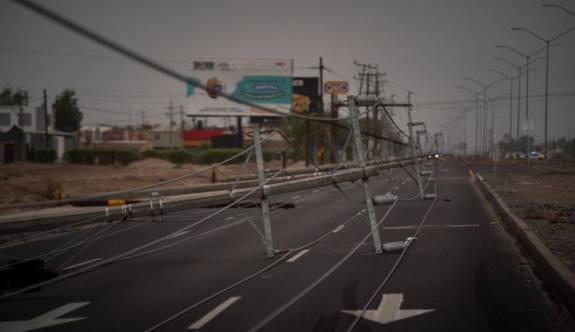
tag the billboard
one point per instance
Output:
(305, 95)
(260, 82)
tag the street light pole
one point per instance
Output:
(563, 8)
(547, 42)
(476, 116)
(518, 94)
(510, 104)
(526, 92)
(485, 87)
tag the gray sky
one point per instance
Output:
(423, 46)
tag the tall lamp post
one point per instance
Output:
(492, 136)
(526, 92)
(547, 41)
(463, 111)
(510, 97)
(476, 116)
(484, 120)
(518, 93)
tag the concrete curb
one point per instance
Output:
(556, 274)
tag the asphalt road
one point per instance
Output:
(462, 273)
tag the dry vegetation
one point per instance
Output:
(543, 195)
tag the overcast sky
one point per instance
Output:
(424, 46)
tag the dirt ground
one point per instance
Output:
(543, 195)
(29, 182)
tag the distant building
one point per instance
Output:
(113, 137)
(35, 134)
(195, 138)
(163, 139)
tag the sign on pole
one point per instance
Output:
(335, 87)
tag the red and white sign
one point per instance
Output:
(336, 87)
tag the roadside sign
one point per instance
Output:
(506, 138)
(336, 87)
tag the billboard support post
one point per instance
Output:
(264, 198)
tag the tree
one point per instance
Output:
(68, 115)
(13, 98)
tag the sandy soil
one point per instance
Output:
(28, 182)
(543, 195)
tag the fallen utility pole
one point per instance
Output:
(50, 218)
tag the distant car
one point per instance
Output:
(536, 156)
(433, 156)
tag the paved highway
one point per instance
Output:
(462, 273)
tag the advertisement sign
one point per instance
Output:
(265, 82)
(113, 135)
(305, 95)
(336, 87)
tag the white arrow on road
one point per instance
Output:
(45, 320)
(389, 310)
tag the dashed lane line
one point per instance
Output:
(299, 254)
(212, 314)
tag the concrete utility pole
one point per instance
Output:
(379, 78)
(143, 119)
(362, 76)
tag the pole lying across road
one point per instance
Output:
(50, 218)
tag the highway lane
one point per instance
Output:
(463, 267)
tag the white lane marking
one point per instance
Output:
(316, 190)
(212, 314)
(402, 183)
(45, 320)
(338, 229)
(296, 197)
(432, 226)
(80, 264)
(229, 218)
(177, 234)
(396, 187)
(299, 254)
(389, 310)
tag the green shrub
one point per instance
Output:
(45, 156)
(179, 156)
(295, 155)
(152, 154)
(126, 156)
(75, 156)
